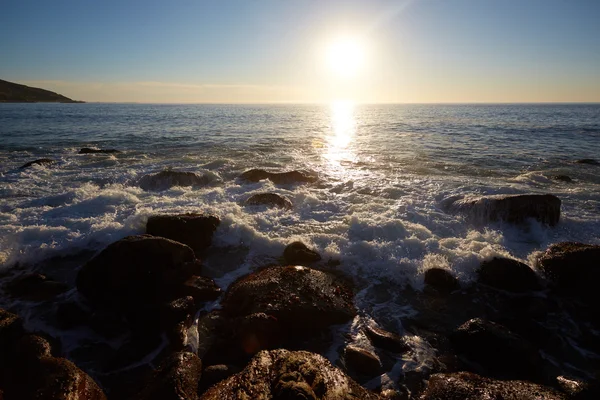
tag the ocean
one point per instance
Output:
(384, 173)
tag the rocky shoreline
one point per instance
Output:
(160, 328)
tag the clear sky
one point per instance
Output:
(278, 50)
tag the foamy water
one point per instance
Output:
(384, 175)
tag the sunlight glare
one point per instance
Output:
(346, 57)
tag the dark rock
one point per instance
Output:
(280, 178)
(386, 340)
(87, 150)
(176, 311)
(41, 161)
(70, 315)
(507, 274)
(441, 279)
(562, 178)
(215, 374)
(33, 347)
(138, 347)
(176, 379)
(258, 332)
(499, 351)
(269, 199)
(107, 323)
(297, 253)
(574, 268)
(11, 92)
(468, 386)
(11, 329)
(201, 289)
(166, 179)
(195, 230)
(361, 363)
(516, 209)
(588, 161)
(35, 287)
(282, 374)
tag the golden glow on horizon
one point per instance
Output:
(346, 57)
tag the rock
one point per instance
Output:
(11, 329)
(41, 161)
(468, 386)
(300, 298)
(215, 374)
(562, 178)
(507, 274)
(70, 315)
(195, 230)
(176, 379)
(166, 179)
(282, 374)
(201, 289)
(386, 340)
(297, 253)
(87, 150)
(269, 199)
(361, 362)
(588, 161)
(176, 311)
(33, 347)
(280, 178)
(499, 351)
(441, 279)
(516, 209)
(574, 268)
(35, 287)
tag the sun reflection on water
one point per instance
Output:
(343, 131)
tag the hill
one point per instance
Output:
(14, 93)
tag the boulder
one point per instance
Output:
(468, 386)
(214, 374)
(516, 209)
(195, 230)
(280, 178)
(269, 199)
(297, 253)
(499, 351)
(87, 150)
(41, 161)
(386, 340)
(11, 330)
(176, 379)
(283, 374)
(168, 178)
(588, 161)
(574, 268)
(562, 178)
(362, 363)
(441, 279)
(507, 274)
(70, 315)
(35, 287)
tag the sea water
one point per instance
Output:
(384, 173)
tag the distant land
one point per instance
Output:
(14, 93)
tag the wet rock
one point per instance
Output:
(297, 253)
(280, 178)
(35, 287)
(41, 161)
(516, 209)
(176, 311)
(283, 374)
(176, 379)
(468, 386)
(499, 351)
(588, 161)
(11, 329)
(33, 347)
(361, 363)
(195, 230)
(269, 199)
(88, 150)
(386, 340)
(441, 279)
(574, 268)
(201, 289)
(214, 374)
(70, 315)
(507, 274)
(166, 179)
(562, 178)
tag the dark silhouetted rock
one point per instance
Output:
(41, 161)
(499, 351)
(468, 386)
(562, 178)
(70, 315)
(297, 253)
(574, 268)
(386, 340)
(195, 230)
(35, 287)
(283, 374)
(509, 275)
(33, 347)
(176, 379)
(167, 179)
(87, 150)
(201, 289)
(588, 161)
(441, 279)
(214, 374)
(280, 178)
(269, 199)
(11, 92)
(515, 209)
(361, 363)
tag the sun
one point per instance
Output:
(346, 57)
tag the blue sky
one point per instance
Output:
(270, 51)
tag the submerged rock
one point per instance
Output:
(441, 279)
(280, 178)
(269, 199)
(516, 209)
(297, 253)
(361, 362)
(167, 179)
(283, 374)
(509, 275)
(87, 150)
(41, 161)
(468, 386)
(195, 230)
(176, 379)
(562, 178)
(35, 287)
(588, 161)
